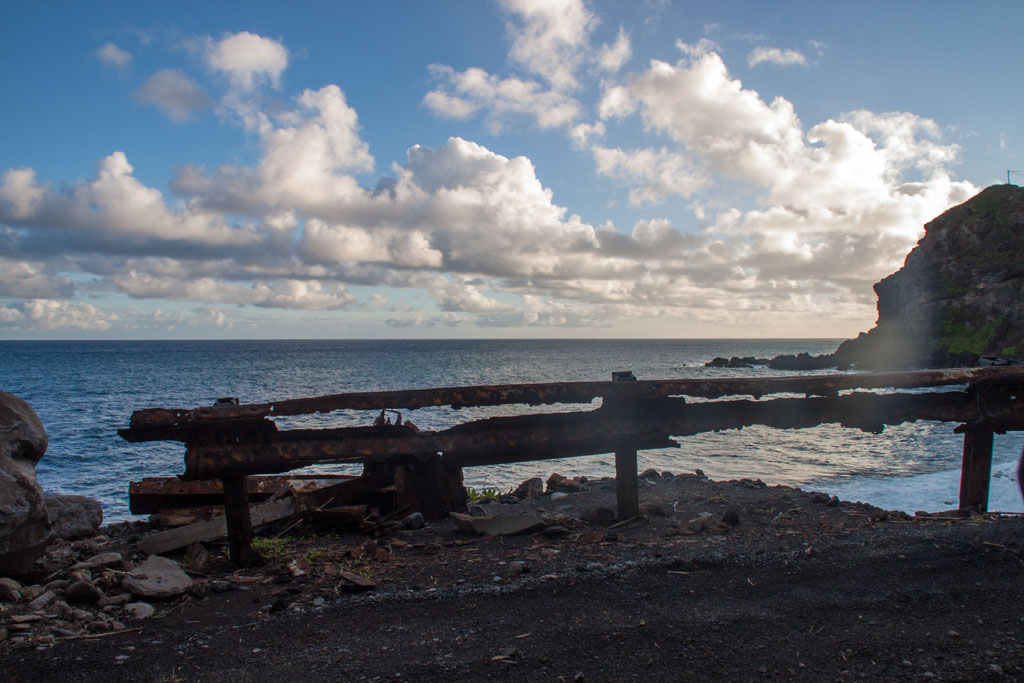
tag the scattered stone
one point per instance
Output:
(697, 524)
(476, 510)
(558, 482)
(43, 601)
(57, 586)
(157, 577)
(10, 590)
(833, 502)
(650, 473)
(731, 517)
(515, 568)
(83, 593)
(667, 475)
(879, 515)
(820, 498)
(25, 618)
(120, 599)
(556, 532)
(74, 516)
(531, 488)
(559, 495)
(593, 566)
(25, 528)
(413, 521)
(102, 560)
(700, 473)
(98, 626)
(32, 592)
(139, 610)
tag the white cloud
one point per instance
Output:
(827, 208)
(48, 314)
(612, 57)
(114, 56)
(173, 93)
(549, 37)
(774, 55)
(247, 59)
(474, 90)
(656, 174)
(113, 210)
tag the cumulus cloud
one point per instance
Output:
(777, 56)
(827, 208)
(612, 57)
(112, 55)
(173, 93)
(549, 37)
(111, 211)
(247, 59)
(468, 92)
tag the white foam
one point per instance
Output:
(931, 492)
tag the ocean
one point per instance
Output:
(84, 391)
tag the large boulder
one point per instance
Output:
(25, 528)
(74, 516)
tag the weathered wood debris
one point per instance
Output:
(421, 470)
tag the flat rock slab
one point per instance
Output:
(157, 577)
(498, 525)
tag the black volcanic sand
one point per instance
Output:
(797, 590)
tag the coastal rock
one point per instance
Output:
(558, 482)
(25, 528)
(959, 294)
(531, 488)
(157, 577)
(74, 517)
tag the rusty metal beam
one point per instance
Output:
(650, 424)
(157, 424)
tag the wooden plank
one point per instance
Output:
(627, 484)
(215, 529)
(649, 424)
(162, 494)
(976, 469)
(238, 521)
(180, 424)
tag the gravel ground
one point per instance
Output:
(717, 581)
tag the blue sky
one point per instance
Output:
(486, 169)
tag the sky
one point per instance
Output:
(479, 169)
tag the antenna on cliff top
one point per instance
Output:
(1008, 172)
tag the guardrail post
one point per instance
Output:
(976, 470)
(239, 523)
(627, 485)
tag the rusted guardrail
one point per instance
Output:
(230, 441)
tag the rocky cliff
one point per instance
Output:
(958, 296)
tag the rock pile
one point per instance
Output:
(90, 592)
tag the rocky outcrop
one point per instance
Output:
(958, 296)
(25, 528)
